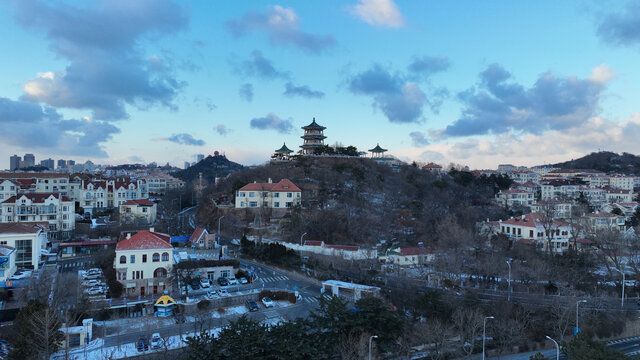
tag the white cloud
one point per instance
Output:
(602, 74)
(384, 13)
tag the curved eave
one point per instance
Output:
(319, 137)
(308, 146)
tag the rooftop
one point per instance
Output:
(145, 239)
(314, 126)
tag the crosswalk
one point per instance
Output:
(275, 278)
(314, 299)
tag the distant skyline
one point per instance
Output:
(468, 82)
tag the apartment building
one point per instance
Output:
(96, 195)
(55, 209)
(281, 195)
(141, 211)
(515, 197)
(159, 184)
(27, 239)
(535, 228)
(38, 182)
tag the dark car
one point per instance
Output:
(252, 305)
(195, 284)
(142, 344)
(223, 281)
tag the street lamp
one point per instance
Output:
(370, 338)
(220, 218)
(301, 237)
(509, 281)
(623, 281)
(578, 304)
(557, 347)
(484, 332)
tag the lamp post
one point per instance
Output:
(220, 218)
(623, 281)
(301, 237)
(370, 339)
(509, 281)
(578, 304)
(557, 347)
(484, 332)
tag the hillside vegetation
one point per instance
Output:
(605, 161)
(358, 201)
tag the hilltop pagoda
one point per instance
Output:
(283, 153)
(377, 152)
(313, 138)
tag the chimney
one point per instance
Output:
(128, 235)
(151, 229)
(270, 181)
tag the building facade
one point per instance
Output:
(141, 211)
(55, 209)
(281, 195)
(27, 239)
(143, 263)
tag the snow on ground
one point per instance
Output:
(233, 310)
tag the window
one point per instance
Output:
(289, 204)
(289, 195)
(123, 259)
(276, 195)
(156, 257)
(276, 204)
(165, 256)
(144, 209)
(251, 194)
(253, 204)
(144, 258)
(265, 194)
(133, 259)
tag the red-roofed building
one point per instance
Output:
(534, 227)
(201, 239)
(281, 195)
(143, 261)
(432, 167)
(314, 243)
(140, 211)
(54, 208)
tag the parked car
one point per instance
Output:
(21, 274)
(233, 281)
(223, 292)
(96, 290)
(213, 294)
(91, 283)
(204, 283)
(195, 284)
(142, 344)
(156, 341)
(252, 306)
(244, 280)
(94, 271)
(93, 276)
(268, 302)
(223, 281)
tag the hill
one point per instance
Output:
(210, 167)
(605, 161)
(359, 201)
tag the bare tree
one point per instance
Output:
(547, 214)
(468, 323)
(355, 346)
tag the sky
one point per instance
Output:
(464, 82)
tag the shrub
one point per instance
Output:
(204, 304)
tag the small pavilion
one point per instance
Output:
(283, 153)
(164, 306)
(377, 152)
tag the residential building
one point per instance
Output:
(515, 197)
(281, 195)
(536, 229)
(523, 176)
(626, 208)
(55, 209)
(159, 184)
(623, 182)
(409, 256)
(139, 211)
(39, 182)
(143, 261)
(107, 194)
(28, 160)
(48, 163)
(28, 240)
(434, 168)
(604, 221)
(7, 189)
(62, 164)
(7, 262)
(201, 239)
(619, 195)
(14, 162)
(558, 209)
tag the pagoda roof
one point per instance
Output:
(313, 136)
(284, 149)
(314, 125)
(378, 149)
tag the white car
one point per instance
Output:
(204, 283)
(268, 302)
(93, 276)
(243, 280)
(21, 275)
(223, 292)
(233, 281)
(96, 290)
(213, 295)
(92, 283)
(156, 341)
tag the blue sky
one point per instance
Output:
(475, 83)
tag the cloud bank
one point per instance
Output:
(272, 122)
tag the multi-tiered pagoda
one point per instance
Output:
(313, 138)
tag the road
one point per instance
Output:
(267, 275)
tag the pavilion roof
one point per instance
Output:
(314, 125)
(378, 149)
(284, 149)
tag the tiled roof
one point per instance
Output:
(283, 185)
(343, 247)
(413, 251)
(23, 227)
(197, 234)
(14, 175)
(145, 239)
(142, 202)
(36, 197)
(531, 220)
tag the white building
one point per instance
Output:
(28, 240)
(95, 195)
(559, 209)
(7, 262)
(515, 197)
(55, 209)
(281, 195)
(158, 184)
(143, 262)
(531, 227)
(39, 182)
(141, 211)
(7, 189)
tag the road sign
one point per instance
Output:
(576, 330)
